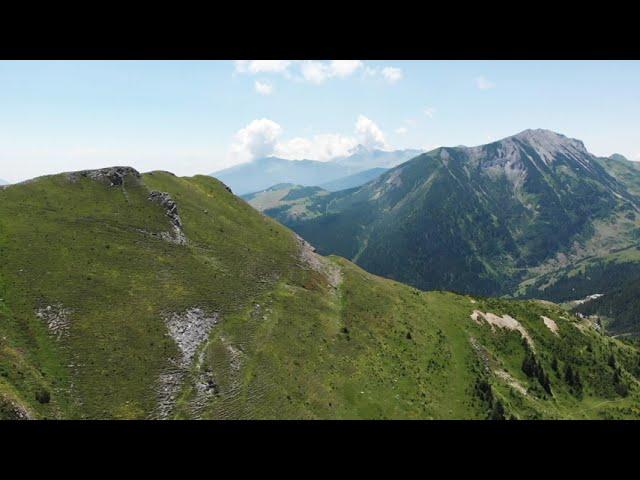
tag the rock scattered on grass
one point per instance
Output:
(57, 319)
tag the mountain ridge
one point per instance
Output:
(131, 296)
(494, 212)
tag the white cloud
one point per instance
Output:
(430, 112)
(318, 72)
(484, 84)
(261, 138)
(392, 74)
(321, 147)
(369, 134)
(263, 88)
(344, 68)
(402, 130)
(258, 139)
(315, 72)
(262, 66)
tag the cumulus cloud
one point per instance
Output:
(263, 88)
(369, 134)
(262, 66)
(258, 139)
(261, 138)
(344, 68)
(392, 74)
(321, 147)
(483, 83)
(318, 72)
(315, 71)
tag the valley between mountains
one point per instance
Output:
(151, 296)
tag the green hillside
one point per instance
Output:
(289, 202)
(152, 296)
(623, 170)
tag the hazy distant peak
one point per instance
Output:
(619, 157)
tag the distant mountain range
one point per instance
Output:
(263, 173)
(513, 217)
(3, 182)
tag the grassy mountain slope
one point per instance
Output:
(120, 303)
(482, 219)
(287, 201)
(623, 170)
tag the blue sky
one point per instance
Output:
(197, 117)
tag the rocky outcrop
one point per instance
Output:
(10, 409)
(112, 176)
(190, 330)
(310, 259)
(171, 210)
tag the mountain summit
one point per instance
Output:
(481, 219)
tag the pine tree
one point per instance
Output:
(497, 413)
(568, 375)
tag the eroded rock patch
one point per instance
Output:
(506, 321)
(550, 324)
(189, 330)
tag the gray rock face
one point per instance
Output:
(189, 330)
(171, 210)
(112, 176)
